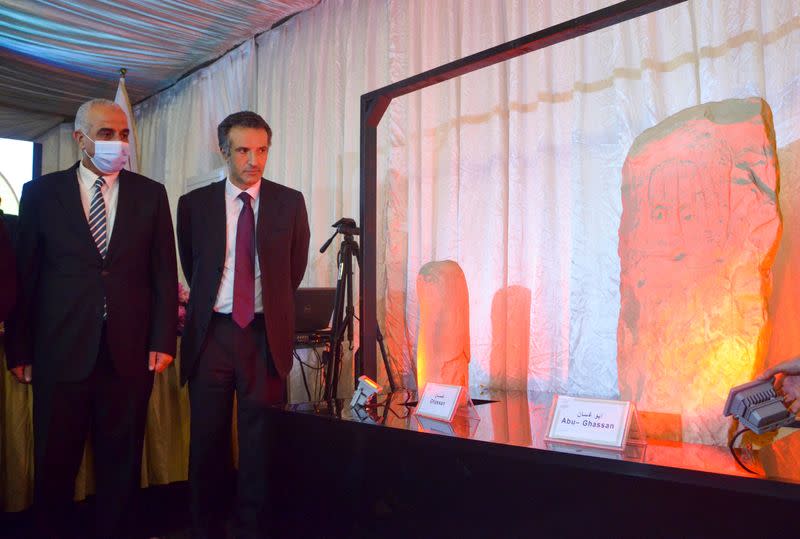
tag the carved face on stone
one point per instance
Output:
(684, 219)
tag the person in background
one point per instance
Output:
(8, 273)
(10, 221)
(243, 244)
(95, 318)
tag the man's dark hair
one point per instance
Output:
(244, 118)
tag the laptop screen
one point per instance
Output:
(313, 308)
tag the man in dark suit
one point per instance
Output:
(96, 315)
(8, 273)
(243, 245)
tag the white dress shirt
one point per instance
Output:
(110, 190)
(233, 207)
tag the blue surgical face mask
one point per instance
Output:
(110, 156)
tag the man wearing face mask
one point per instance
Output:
(95, 318)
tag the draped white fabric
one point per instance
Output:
(512, 171)
(178, 127)
(311, 74)
(59, 151)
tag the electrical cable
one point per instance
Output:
(735, 456)
(303, 372)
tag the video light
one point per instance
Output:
(758, 407)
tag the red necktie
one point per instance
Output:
(244, 274)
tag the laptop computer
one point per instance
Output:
(313, 308)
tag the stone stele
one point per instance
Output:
(443, 339)
(699, 230)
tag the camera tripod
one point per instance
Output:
(344, 313)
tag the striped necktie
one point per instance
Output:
(97, 217)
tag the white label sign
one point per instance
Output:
(590, 421)
(439, 401)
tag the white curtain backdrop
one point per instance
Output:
(311, 74)
(178, 127)
(59, 151)
(513, 171)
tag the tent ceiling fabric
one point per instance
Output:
(25, 125)
(56, 54)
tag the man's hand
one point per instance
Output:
(788, 384)
(790, 367)
(23, 373)
(159, 361)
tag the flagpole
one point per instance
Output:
(124, 102)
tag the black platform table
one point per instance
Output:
(380, 473)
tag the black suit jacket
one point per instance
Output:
(64, 281)
(8, 273)
(282, 237)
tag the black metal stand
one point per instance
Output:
(344, 312)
